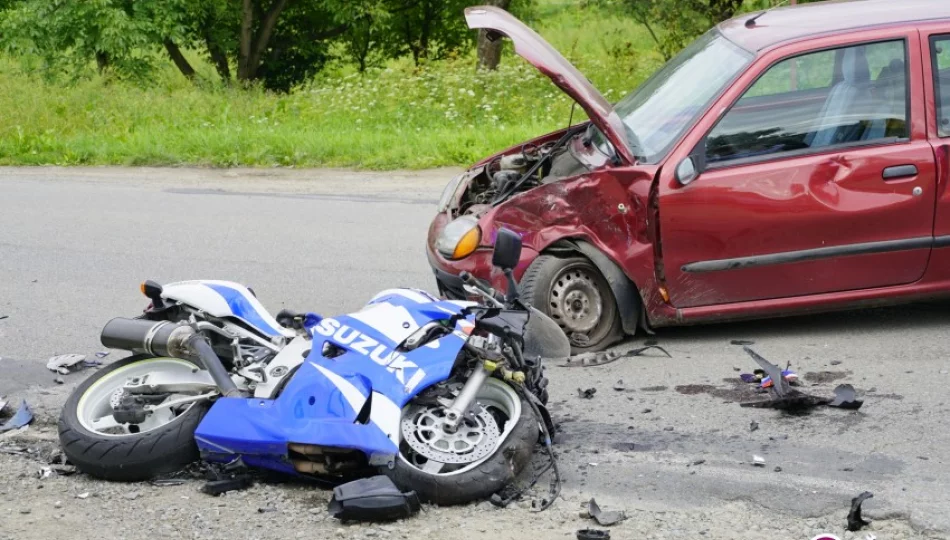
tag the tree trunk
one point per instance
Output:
(219, 59)
(489, 52)
(102, 60)
(179, 59)
(247, 24)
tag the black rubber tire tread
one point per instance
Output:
(536, 284)
(481, 482)
(129, 458)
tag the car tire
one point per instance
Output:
(573, 292)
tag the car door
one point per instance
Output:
(815, 177)
(935, 39)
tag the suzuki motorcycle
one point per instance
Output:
(445, 397)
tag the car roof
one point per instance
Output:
(796, 22)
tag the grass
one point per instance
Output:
(399, 116)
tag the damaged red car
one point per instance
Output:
(787, 161)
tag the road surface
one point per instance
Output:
(672, 446)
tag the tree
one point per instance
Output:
(426, 28)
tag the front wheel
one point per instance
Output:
(489, 449)
(101, 446)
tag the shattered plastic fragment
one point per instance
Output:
(758, 461)
(600, 359)
(855, 521)
(586, 394)
(63, 362)
(102, 354)
(217, 487)
(45, 472)
(163, 482)
(846, 398)
(605, 519)
(593, 534)
(22, 417)
(372, 499)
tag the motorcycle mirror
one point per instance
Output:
(507, 250)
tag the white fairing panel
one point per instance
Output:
(226, 299)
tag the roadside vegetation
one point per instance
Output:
(355, 105)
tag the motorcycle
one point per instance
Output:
(447, 398)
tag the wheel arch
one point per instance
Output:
(625, 291)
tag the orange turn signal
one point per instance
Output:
(467, 244)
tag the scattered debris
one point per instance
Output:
(586, 394)
(593, 534)
(699, 462)
(63, 362)
(372, 499)
(45, 472)
(217, 487)
(604, 519)
(742, 342)
(22, 417)
(599, 359)
(619, 386)
(4, 317)
(102, 354)
(58, 380)
(668, 428)
(758, 461)
(25, 511)
(265, 510)
(165, 482)
(835, 362)
(647, 411)
(90, 364)
(753, 425)
(783, 396)
(83, 495)
(855, 521)
(64, 470)
(778, 469)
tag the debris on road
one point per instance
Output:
(59, 380)
(602, 358)
(782, 396)
(62, 363)
(102, 354)
(778, 469)
(165, 482)
(619, 386)
(593, 534)
(603, 518)
(742, 342)
(44, 473)
(217, 487)
(753, 425)
(758, 461)
(4, 317)
(586, 394)
(22, 417)
(855, 521)
(84, 495)
(372, 499)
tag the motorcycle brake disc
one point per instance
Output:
(476, 437)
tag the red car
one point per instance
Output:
(788, 161)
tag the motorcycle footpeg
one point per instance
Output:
(372, 499)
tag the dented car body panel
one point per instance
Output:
(792, 227)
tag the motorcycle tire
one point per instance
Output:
(132, 457)
(504, 465)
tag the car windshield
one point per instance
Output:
(657, 113)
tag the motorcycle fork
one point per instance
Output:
(462, 403)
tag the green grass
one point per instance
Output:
(394, 117)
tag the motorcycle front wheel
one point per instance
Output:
(494, 443)
(102, 447)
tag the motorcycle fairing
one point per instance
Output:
(321, 404)
(226, 299)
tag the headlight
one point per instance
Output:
(449, 192)
(459, 238)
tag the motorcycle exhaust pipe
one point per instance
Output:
(165, 338)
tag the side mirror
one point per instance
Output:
(686, 171)
(507, 250)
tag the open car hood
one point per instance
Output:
(539, 53)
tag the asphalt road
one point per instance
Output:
(74, 244)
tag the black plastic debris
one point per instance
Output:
(593, 534)
(604, 519)
(781, 395)
(4, 317)
(753, 425)
(22, 417)
(372, 499)
(846, 398)
(742, 342)
(217, 487)
(855, 521)
(586, 394)
(266, 509)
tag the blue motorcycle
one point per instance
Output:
(445, 397)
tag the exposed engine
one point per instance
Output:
(520, 171)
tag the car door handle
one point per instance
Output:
(899, 171)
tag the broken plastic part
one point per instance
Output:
(846, 398)
(63, 362)
(22, 417)
(217, 487)
(586, 394)
(855, 521)
(372, 499)
(605, 519)
(593, 534)
(783, 396)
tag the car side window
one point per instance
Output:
(850, 95)
(940, 54)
